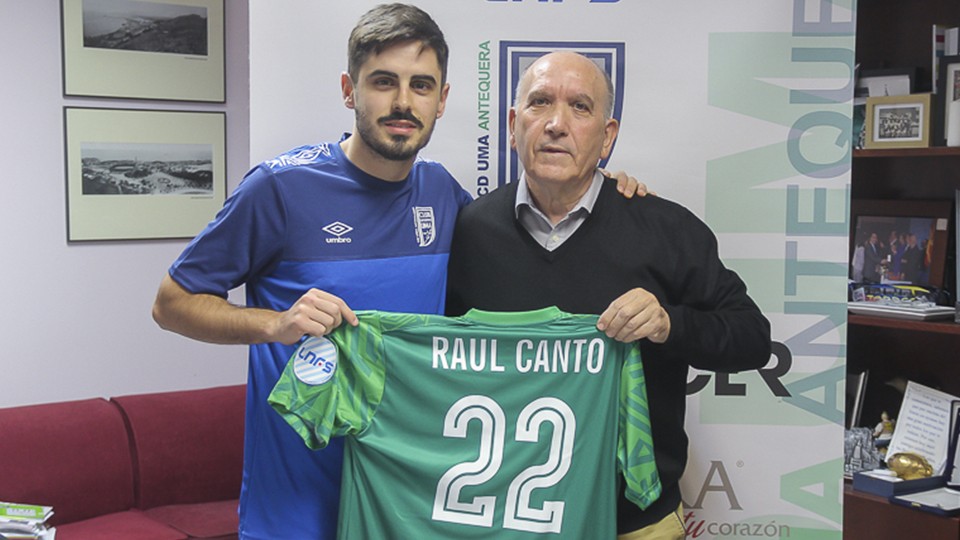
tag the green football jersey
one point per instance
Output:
(490, 425)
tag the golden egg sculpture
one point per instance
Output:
(910, 466)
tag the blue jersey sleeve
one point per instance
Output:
(245, 237)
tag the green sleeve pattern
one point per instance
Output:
(635, 440)
(344, 404)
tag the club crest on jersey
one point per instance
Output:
(426, 226)
(315, 361)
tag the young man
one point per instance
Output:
(314, 234)
(562, 237)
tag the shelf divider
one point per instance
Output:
(935, 327)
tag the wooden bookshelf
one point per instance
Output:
(932, 151)
(897, 34)
(934, 327)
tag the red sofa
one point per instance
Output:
(163, 466)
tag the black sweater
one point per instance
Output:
(646, 242)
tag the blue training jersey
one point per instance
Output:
(310, 218)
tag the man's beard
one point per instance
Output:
(400, 147)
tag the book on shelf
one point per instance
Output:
(951, 41)
(946, 40)
(856, 390)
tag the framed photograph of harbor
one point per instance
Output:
(142, 174)
(139, 49)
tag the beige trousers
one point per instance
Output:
(668, 528)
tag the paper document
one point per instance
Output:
(924, 425)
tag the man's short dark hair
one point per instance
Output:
(390, 24)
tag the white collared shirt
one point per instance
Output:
(536, 223)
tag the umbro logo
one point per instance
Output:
(338, 229)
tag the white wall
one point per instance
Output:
(295, 95)
(75, 319)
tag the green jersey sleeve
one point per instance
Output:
(332, 385)
(635, 437)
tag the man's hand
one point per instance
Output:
(637, 314)
(315, 313)
(213, 319)
(628, 186)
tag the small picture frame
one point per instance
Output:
(903, 242)
(898, 121)
(142, 49)
(142, 174)
(947, 98)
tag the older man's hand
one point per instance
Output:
(627, 185)
(637, 314)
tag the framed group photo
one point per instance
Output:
(141, 49)
(142, 174)
(899, 242)
(898, 121)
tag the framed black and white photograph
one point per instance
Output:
(171, 50)
(898, 121)
(899, 242)
(142, 174)
(947, 103)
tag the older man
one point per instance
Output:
(562, 236)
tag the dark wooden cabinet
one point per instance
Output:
(897, 34)
(869, 517)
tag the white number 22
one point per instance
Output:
(518, 514)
